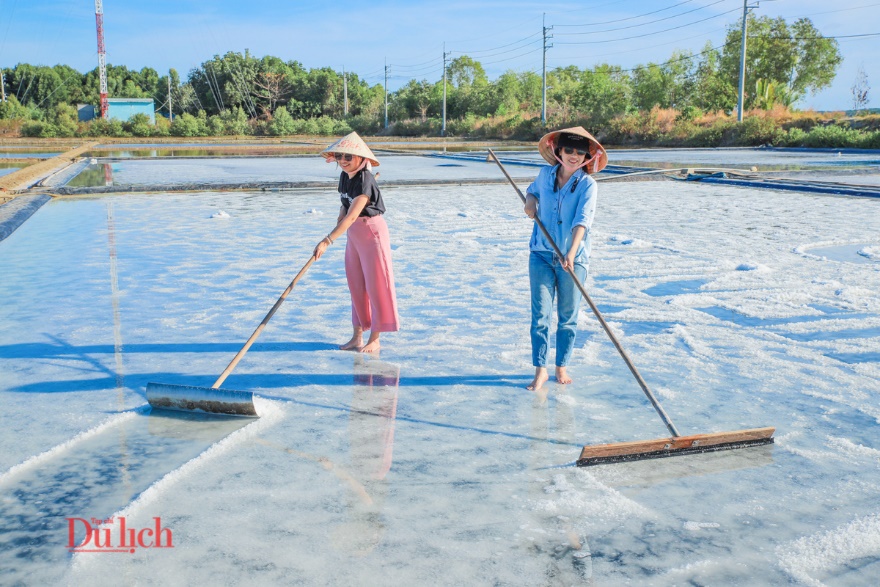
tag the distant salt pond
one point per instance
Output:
(28, 154)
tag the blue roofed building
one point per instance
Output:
(124, 108)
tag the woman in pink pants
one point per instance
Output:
(368, 248)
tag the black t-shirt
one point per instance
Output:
(362, 184)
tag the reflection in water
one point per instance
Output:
(96, 174)
(552, 536)
(371, 443)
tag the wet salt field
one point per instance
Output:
(431, 463)
(739, 158)
(281, 169)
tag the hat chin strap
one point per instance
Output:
(590, 164)
(567, 166)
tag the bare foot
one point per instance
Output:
(355, 343)
(562, 376)
(372, 345)
(540, 379)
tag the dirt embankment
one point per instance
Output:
(24, 178)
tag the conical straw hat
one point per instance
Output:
(595, 163)
(351, 144)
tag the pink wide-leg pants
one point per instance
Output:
(370, 275)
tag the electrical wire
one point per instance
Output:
(637, 49)
(633, 26)
(654, 33)
(625, 19)
(509, 50)
(501, 46)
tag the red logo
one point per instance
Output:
(101, 537)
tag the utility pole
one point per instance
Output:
(102, 56)
(544, 74)
(386, 92)
(3, 84)
(742, 62)
(170, 107)
(443, 127)
(344, 91)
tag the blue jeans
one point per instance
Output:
(547, 278)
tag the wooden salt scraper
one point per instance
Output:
(677, 444)
(213, 400)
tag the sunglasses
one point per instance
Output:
(572, 151)
(340, 156)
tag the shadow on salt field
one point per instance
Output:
(752, 321)
(833, 334)
(853, 358)
(94, 478)
(39, 350)
(843, 253)
(402, 418)
(674, 288)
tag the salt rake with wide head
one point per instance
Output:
(675, 445)
(213, 400)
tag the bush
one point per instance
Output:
(282, 123)
(462, 127)
(186, 125)
(325, 125)
(794, 137)
(235, 120)
(100, 127)
(38, 128)
(689, 113)
(12, 109)
(754, 131)
(413, 128)
(832, 136)
(309, 126)
(871, 140)
(216, 126)
(364, 124)
(341, 127)
(162, 128)
(139, 125)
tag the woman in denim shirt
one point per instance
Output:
(563, 197)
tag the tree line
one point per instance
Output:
(241, 94)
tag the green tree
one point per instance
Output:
(604, 92)
(795, 57)
(470, 87)
(563, 85)
(648, 87)
(712, 92)
(12, 109)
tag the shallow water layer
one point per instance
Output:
(431, 463)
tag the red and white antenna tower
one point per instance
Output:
(102, 56)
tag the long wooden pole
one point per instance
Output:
(580, 286)
(262, 325)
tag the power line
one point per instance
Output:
(536, 41)
(633, 26)
(593, 55)
(651, 34)
(627, 18)
(536, 50)
(500, 46)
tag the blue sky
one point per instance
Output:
(360, 36)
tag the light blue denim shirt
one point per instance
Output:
(560, 211)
